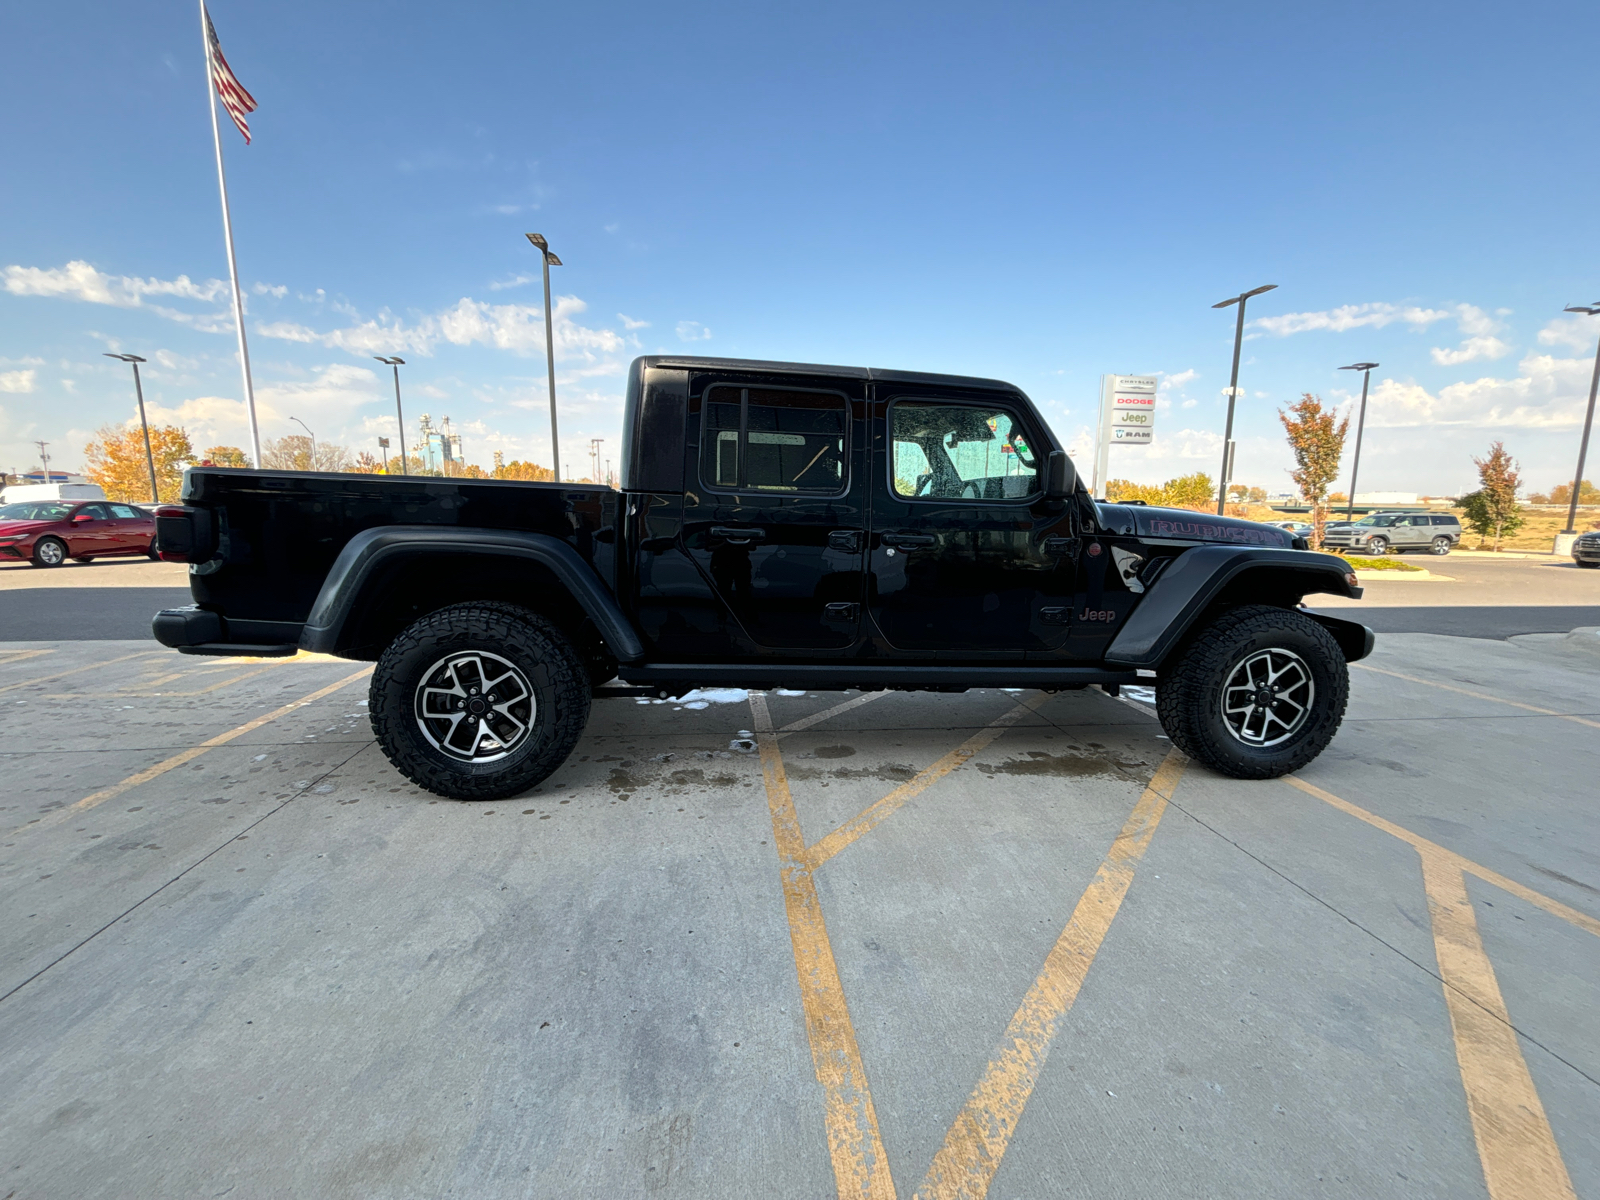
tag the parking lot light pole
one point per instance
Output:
(1588, 423)
(1361, 421)
(1233, 389)
(313, 437)
(397, 363)
(134, 360)
(550, 260)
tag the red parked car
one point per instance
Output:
(48, 532)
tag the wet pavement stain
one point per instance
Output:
(1064, 765)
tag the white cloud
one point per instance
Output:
(1190, 403)
(277, 292)
(629, 323)
(1576, 333)
(330, 402)
(1547, 393)
(1480, 342)
(501, 285)
(1350, 316)
(693, 331)
(1470, 350)
(17, 381)
(80, 281)
(1171, 382)
(518, 328)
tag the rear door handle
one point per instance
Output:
(907, 541)
(738, 534)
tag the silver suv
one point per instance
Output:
(1378, 533)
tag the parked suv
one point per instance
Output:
(1378, 533)
(48, 532)
(1586, 550)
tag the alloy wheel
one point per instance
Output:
(1378, 545)
(1441, 545)
(474, 706)
(1267, 697)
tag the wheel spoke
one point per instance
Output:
(455, 712)
(1267, 697)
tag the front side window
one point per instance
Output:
(1378, 521)
(95, 511)
(769, 440)
(953, 452)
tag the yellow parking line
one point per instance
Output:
(1533, 708)
(825, 714)
(875, 814)
(157, 682)
(8, 657)
(177, 760)
(1520, 1158)
(105, 662)
(860, 1167)
(1424, 847)
(965, 1164)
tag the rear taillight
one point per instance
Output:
(184, 534)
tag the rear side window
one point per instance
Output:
(771, 440)
(1446, 521)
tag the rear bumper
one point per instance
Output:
(194, 630)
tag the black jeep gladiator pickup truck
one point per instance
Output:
(779, 525)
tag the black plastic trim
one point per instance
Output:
(870, 675)
(372, 548)
(241, 649)
(189, 626)
(1355, 639)
(1183, 591)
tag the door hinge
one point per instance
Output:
(841, 613)
(847, 540)
(1061, 547)
(1056, 616)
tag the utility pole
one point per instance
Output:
(1361, 423)
(594, 458)
(550, 260)
(44, 460)
(1233, 391)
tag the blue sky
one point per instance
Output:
(1041, 193)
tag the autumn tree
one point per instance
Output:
(1492, 510)
(1125, 489)
(226, 456)
(1194, 491)
(1316, 439)
(116, 461)
(1562, 494)
(365, 464)
(296, 452)
(517, 469)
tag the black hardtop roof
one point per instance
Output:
(788, 368)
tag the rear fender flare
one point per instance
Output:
(375, 549)
(1198, 577)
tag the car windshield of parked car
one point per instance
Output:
(1381, 521)
(39, 511)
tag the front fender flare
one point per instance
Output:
(1197, 577)
(373, 549)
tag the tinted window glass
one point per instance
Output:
(38, 511)
(1445, 521)
(952, 452)
(790, 441)
(123, 512)
(97, 511)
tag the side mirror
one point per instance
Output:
(1060, 476)
(79, 518)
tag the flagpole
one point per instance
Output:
(227, 236)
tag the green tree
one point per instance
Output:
(1316, 440)
(1492, 510)
(116, 461)
(1194, 491)
(1126, 489)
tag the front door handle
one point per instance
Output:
(907, 541)
(738, 534)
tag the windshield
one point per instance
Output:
(1377, 519)
(42, 510)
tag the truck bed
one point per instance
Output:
(277, 533)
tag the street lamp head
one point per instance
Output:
(538, 240)
(1243, 296)
(1580, 308)
(127, 358)
(1359, 367)
(390, 362)
(552, 260)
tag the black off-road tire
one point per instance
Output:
(535, 647)
(49, 552)
(1189, 696)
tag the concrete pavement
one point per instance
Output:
(272, 967)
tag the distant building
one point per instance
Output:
(1382, 498)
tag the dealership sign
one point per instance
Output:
(1127, 418)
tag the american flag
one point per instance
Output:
(234, 98)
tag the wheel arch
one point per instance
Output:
(1211, 579)
(388, 577)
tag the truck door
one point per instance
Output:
(965, 553)
(775, 520)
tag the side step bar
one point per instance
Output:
(675, 678)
